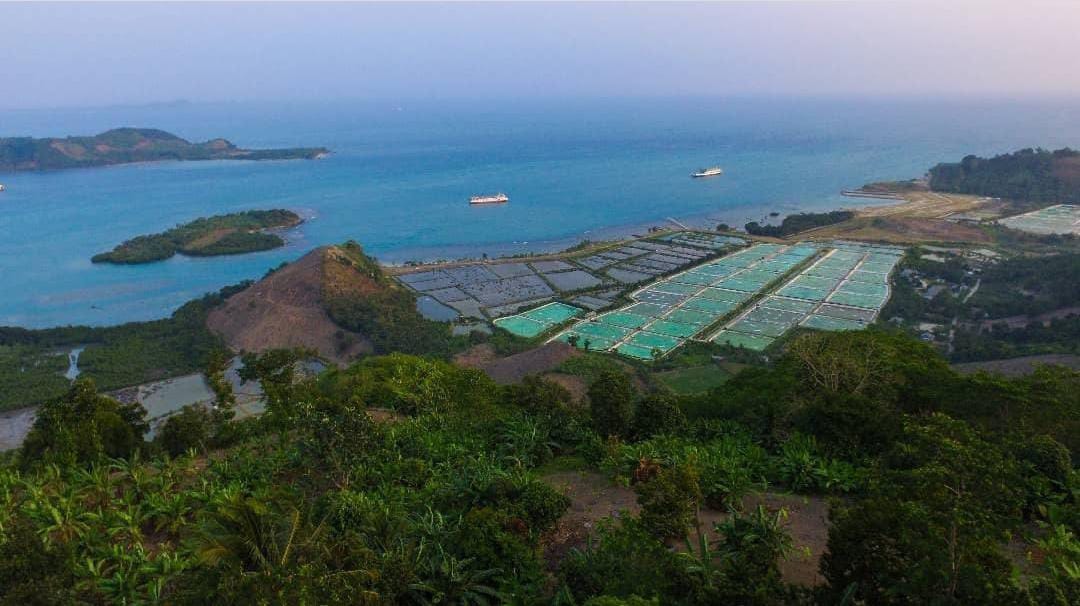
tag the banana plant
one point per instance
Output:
(96, 484)
(455, 581)
(59, 518)
(169, 512)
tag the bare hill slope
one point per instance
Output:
(286, 309)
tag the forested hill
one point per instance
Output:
(126, 145)
(1036, 175)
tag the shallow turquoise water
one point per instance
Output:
(400, 175)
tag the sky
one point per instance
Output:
(56, 54)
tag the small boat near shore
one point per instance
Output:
(499, 198)
(713, 171)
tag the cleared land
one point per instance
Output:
(514, 368)
(286, 309)
(1015, 367)
(594, 497)
(926, 205)
(922, 216)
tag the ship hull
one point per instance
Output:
(486, 200)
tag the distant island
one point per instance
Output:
(127, 145)
(230, 234)
(1035, 175)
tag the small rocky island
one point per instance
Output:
(230, 234)
(127, 145)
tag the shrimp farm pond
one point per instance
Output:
(645, 298)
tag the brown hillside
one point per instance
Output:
(286, 309)
(514, 368)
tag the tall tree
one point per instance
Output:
(611, 403)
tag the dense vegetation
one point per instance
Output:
(907, 304)
(1000, 341)
(800, 222)
(894, 186)
(230, 234)
(30, 374)
(1028, 174)
(1018, 288)
(376, 306)
(1029, 285)
(444, 500)
(125, 145)
(32, 362)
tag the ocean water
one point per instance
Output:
(400, 175)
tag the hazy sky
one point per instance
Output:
(92, 54)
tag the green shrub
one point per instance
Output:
(1047, 457)
(542, 505)
(625, 560)
(611, 399)
(669, 501)
(83, 427)
(190, 427)
(658, 414)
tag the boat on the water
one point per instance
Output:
(1, 187)
(492, 199)
(708, 172)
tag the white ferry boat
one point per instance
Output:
(708, 172)
(492, 199)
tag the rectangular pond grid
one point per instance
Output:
(669, 311)
(539, 320)
(821, 322)
(1059, 219)
(844, 290)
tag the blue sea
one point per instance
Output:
(401, 172)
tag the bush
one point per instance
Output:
(730, 469)
(82, 427)
(1048, 457)
(669, 501)
(623, 561)
(33, 572)
(542, 505)
(751, 548)
(658, 414)
(611, 403)
(189, 428)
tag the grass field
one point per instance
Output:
(695, 379)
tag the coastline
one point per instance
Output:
(395, 259)
(706, 221)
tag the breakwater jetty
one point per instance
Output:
(877, 195)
